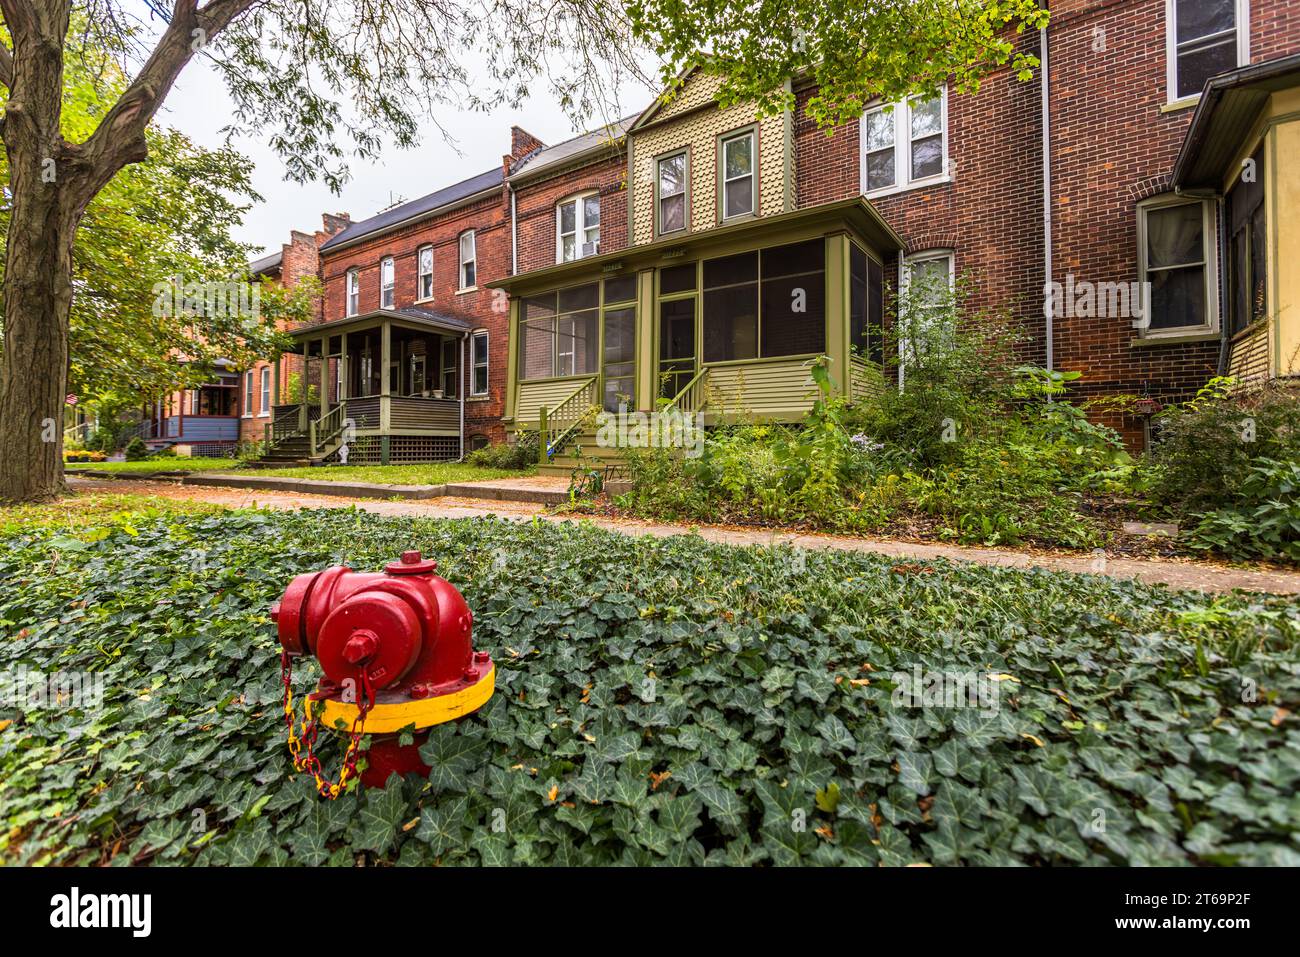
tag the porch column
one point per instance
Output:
(837, 310)
(513, 345)
(385, 380)
(343, 368)
(646, 357)
(303, 391)
(324, 377)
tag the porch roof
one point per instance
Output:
(407, 316)
(856, 213)
(1230, 104)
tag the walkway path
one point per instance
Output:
(1204, 576)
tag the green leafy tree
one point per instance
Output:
(855, 50)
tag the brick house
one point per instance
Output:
(704, 256)
(235, 405)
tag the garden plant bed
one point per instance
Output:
(659, 700)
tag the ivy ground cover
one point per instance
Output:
(658, 701)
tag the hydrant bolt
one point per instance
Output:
(360, 647)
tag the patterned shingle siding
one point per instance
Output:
(689, 120)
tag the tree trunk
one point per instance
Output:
(34, 369)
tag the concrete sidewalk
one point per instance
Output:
(1196, 575)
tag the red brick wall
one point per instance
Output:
(535, 209)
(1111, 146)
(299, 258)
(490, 220)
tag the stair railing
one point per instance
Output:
(325, 431)
(556, 426)
(693, 396)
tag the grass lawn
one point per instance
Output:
(84, 513)
(173, 463)
(657, 701)
(433, 473)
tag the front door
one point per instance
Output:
(676, 345)
(619, 359)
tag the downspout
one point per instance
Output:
(514, 233)
(1046, 122)
(461, 387)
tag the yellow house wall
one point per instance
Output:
(689, 120)
(1284, 232)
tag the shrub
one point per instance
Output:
(84, 455)
(136, 450)
(1263, 519)
(521, 454)
(1206, 447)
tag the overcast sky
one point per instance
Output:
(200, 107)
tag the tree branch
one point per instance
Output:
(119, 137)
(6, 66)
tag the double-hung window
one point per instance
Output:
(479, 363)
(1176, 259)
(248, 393)
(424, 280)
(354, 292)
(386, 282)
(266, 390)
(737, 169)
(577, 227)
(468, 261)
(904, 144)
(670, 199)
(1203, 38)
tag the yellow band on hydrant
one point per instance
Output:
(420, 712)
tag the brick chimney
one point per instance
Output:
(522, 143)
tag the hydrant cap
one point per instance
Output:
(411, 563)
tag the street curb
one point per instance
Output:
(500, 493)
(314, 487)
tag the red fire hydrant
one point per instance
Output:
(395, 650)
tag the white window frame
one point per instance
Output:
(580, 225)
(247, 411)
(421, 275)
(473, 362)
(265, 392)
(1210, 255)
(471, 260)
(905, 280)
(1171, 49)
(902, 117)
(750, 134)
(387, 283)
(352, 301)
(685, 194)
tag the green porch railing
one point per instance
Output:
(287, 422)
(555, 426)
(324, 431)
(694, 395)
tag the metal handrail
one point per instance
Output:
(555, 426)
